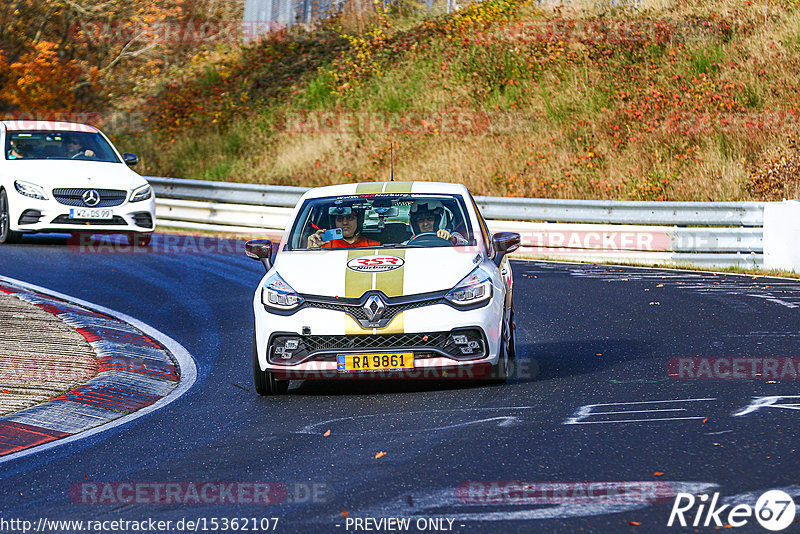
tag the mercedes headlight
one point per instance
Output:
(30, 190)
(277, 294)
(141, 193)
(475, 288)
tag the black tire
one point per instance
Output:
(6, 234)
(499, 371)
(512, 343)
(508, 350)
(265, 381)
(138, 240)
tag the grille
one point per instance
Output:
(143, 219)
(64, 219)
(72, 197)
(356, 311)
(30, 217)
(324, 348)
(368, 342)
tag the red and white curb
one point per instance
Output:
(140, 370)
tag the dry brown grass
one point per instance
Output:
(582, 127)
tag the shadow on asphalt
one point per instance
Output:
(557, 360)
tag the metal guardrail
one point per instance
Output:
(702, 233)
(624, 212)
(517, 209)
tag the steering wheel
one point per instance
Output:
(429, 239)
(80, 155)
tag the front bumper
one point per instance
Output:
(321, 335)
(29, 215)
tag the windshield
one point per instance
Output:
(38, 144)
(382, 220)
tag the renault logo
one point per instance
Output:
(373, 308)
(91, 197)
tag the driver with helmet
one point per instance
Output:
(426, 218)
(351, 221)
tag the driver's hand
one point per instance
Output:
(315, 239)
(444, 234)
(89, 153)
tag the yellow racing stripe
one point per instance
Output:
(369, 189)
(398, 187)
(358, 283)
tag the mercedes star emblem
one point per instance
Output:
(91, 197)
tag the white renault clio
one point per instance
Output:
(68, 177)
(394, 279)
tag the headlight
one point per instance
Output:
(30, 190)
(141, 193)
(277, 294)
(475, 288)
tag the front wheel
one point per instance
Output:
(508, 351)
(6, 234)
(265, 381)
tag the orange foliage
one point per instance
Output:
(41, 81)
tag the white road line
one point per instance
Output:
(184, 359)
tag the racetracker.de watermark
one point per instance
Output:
(734, 368)
(613, 31)
(26, 369)
(72, 121)
(524, 492)
(169, 32)
(197, 493)
(519, 369)
(86, 243)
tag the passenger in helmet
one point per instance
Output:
(351, 221)
(426, 217)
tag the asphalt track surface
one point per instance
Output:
(596, 334)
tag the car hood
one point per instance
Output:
(348, 273)
(71, 173)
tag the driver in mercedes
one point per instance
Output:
(75, 150)
(426, 218)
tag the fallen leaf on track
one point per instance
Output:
(634, 523)
(327, 433)
(380, 455)
(658, 474)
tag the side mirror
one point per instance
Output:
(261, 250)
(130, 159)
(504, 243)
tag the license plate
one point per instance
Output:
(84, 213)
(383, 361)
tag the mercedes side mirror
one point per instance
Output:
(261, 250)
(504, 243)
(130, 159)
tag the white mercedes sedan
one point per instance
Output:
(68, 177)
(390, 280)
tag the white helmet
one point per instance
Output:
(426, 208)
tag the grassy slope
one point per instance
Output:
(669, 101)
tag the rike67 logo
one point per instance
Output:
(774, 510)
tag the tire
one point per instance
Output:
(265, 381)
(512, 344)
(136, 239)
(508, 350)
(499, 371)
(6, 234)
